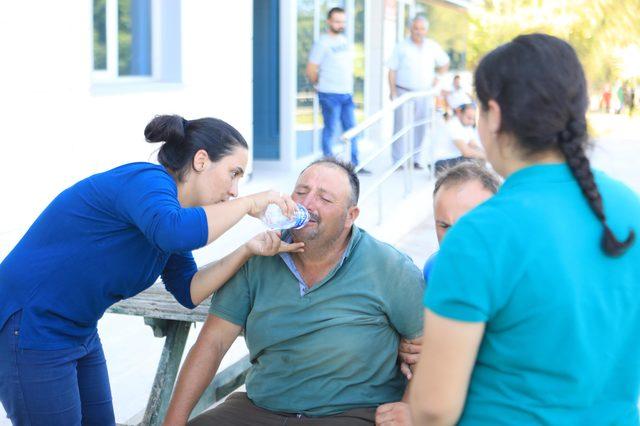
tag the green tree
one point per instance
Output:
(597, 29)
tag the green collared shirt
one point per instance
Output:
(335, 346)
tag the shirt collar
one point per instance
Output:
(356, 234)
(355, 237)
(539, 173)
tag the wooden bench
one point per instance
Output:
(171, 320)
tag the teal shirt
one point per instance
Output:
(333, 347)
(562, 339)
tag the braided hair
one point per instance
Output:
(539, 84)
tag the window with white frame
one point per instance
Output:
(137, 41)
(123, 45)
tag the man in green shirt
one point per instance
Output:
(322, 326)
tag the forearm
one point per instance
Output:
(477, 150)
(443, 69)
(420, 419)
(198, 370)
(222, 216)
(476, 153)
(312, 77)
(312, 73)
(468, 151)
(422, 413)
(393, 91)
(471, 151)
(438, 390)
(210, 278)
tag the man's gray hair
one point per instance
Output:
(467, 171)
(348, 169)
(421, 18)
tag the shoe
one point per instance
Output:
(418, 166)
(364, 172)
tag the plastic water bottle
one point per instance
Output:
(275, 219)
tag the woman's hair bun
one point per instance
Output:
(166, 128)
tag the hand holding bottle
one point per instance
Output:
(261, 200)
(269, 244)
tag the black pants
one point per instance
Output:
(442, 165)
(238, 410)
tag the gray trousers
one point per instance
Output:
(421, 109)
(238, 410)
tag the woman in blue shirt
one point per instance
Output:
(109, 237)
(533, 307)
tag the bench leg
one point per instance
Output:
(176, 332)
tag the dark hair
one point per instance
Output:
(183, 138)
(346, 167)
(334, 10)
(467, 171)
(539, 84)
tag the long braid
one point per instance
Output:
(539, 84)
(570, 143)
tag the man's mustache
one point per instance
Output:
(314, 217)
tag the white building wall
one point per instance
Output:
(58, 127)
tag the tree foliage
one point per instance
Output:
(599, 30)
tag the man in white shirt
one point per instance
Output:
(462, 140)
(330, 70)
(457, 96)
(413, 67)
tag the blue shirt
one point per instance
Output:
(104, 239)
(562, 338)
(428, 267)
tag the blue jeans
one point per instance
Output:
(54, 387)
(337, 108)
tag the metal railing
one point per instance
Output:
(406, 102)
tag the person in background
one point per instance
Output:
(462, 141)
(533, 306)
(413, 67)
(107, 238)
(457, 191)
(330, 70)
(621, 97)
(605, 100)
(456, 96)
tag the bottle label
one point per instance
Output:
(301, 218)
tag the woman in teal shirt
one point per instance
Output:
(533, 308)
